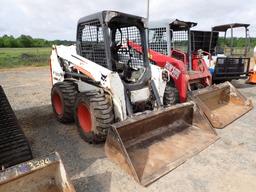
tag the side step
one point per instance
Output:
(14, 147)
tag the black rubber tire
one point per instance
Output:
(199, 86)
(171, 95)
(219, 81)
(67, 92)
(101, 113)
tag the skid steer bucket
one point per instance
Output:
(42, 175)
(222, 103)
(149, 146)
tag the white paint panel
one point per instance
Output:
(140, 95)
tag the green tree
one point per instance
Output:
(8, 41)
(28, 41)
(25, 41)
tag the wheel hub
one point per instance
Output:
(84, 118)
(57, 103)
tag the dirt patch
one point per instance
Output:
(227, 165)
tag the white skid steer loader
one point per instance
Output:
(111, 91)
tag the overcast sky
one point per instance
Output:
(57, 19)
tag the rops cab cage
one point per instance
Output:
(230, 62)
(171, 48)
(172, 38)
(201, 40)
(104, 39)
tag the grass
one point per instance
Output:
(19, 57)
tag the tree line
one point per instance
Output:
(28, 41)
(237, 41)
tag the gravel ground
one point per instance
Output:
(227, 165)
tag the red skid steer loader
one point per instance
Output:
(170, 48)
(114, 94)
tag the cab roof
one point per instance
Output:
(175, 24)
(107, 15)
(223, 28)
